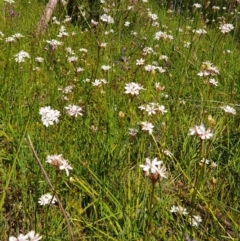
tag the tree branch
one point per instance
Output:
(47, 14)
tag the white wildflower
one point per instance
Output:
(140, 62)
(147, 126)
(228, 109)
(39, 59)
(47, 199)
(20, 57)
(105, 68)
(9, 1)
(132, 131)
(197, 5)
(225, 28)
(59, 162)
(126, 24)
(154, 169)
(179, 209)
(106, 18)
(133, 88)
(201, 132)
(99, 82)
(54, 43)
(195, 220)
(49, 115)
(74, 110)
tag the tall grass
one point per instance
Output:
(107, 196)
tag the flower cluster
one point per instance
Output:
(30, 236)
(13, 38)
(47, 199)
(158, 87)
(147, 126)
(148, 50)
(140, 62)
(72, 59)
(208, 69)
(59, 162)
(197, 5)
(54, 43)
(201, 132)
(194, 220)
(107, 19)
(179, 209)
(62, 32)
(212, 82)
(67, 90)
(21, 56)
(74, 110)
(225, 28)
(105, 68)
(228, 109)
(39, 59)
(132, 131)
(99, 82)
(211, 164)
(49, 116)
(200, 31)
(152, 16)
(152, 68)
(163, 35)
(154, 169)
(153, 108)
(9, 1)
(133, 88)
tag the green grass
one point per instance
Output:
(106, 196)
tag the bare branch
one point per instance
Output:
(43, 22)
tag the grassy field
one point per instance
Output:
(121, 127)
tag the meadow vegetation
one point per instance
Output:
(122, 127)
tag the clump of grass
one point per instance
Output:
(138, 82)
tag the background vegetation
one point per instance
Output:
(106, 196)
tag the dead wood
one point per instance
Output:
(47, 14)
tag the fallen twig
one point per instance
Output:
(50, 184)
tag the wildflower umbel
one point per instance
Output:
(49, 116)
(74, 110)
(228, 109)
(201, 132)
(153, 108)
(21, 56)
(154, 169)
(147, 126)
(195, 220)
(179, 209)
(59, 162)
(197, 5)
(9, 1)
(140, 62)
(34, 237)
(30, 236)
(227, 27)
(133, 88)
(54, 43)
(107, 19)
(47, 199)
(208, 69)
(132, 131)
(162, 35)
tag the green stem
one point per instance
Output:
(53, 195)
(150, 226)
(197, 181)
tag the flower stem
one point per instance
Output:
(150, 226)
